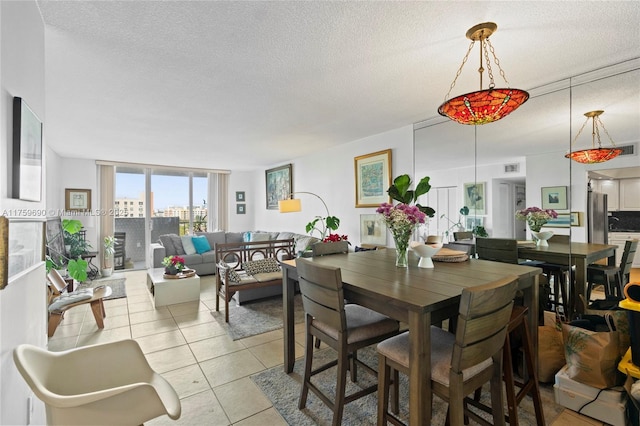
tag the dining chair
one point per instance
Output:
(344, 327)
(613, 278)
(105, 384)
(460, 362)
(501, 250)
(560, 276)
(462, 235)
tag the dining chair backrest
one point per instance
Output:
(463, 235)
(562, 239)
(630, 248)
(322, 293)
(483, 317)
(497, 249)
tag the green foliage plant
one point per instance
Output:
(400, 192)
(76, 266)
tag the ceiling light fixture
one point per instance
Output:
(593, 154)
(483, 106)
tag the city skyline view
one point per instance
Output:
(167, 190)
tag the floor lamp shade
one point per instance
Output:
(290, 206)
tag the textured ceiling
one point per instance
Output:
(242, 84)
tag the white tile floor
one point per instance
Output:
(183, 342)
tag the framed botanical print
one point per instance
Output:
(77, 200)
(475, 197)
(241, 208)
(279, 182)
(373, 178)
(240, 196)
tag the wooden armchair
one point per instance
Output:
(60, 301)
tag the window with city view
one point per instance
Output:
(177, 204)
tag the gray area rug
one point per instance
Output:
(257, 317)
(118, 287)
(284, 392)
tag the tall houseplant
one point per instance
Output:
(76, 266)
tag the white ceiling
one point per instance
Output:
(244, 84)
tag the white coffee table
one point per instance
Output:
(166, 291)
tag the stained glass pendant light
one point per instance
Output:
(483, 106)
(593, 154)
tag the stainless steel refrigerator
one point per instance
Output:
(597, 218)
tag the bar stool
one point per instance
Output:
(518, 324)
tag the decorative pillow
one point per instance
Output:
(260, 236)
(304, 242)
(70, 298)
(233, 275)
(234, 237)
(259, 266)
(201, 244)
(284, 236)
(177, 244)
(213, 237)
(246, 237)
(167, 243)
(187, 244)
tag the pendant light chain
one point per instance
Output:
(464, 61)
(497, 61)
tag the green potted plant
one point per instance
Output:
(108, 249)
(456, 226)
(76, 266)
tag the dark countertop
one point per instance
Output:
(624, 230)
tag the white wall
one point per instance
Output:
(246, 182)
(23, 302)
(330, 174)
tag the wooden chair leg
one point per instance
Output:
(308, 358)
(341, 385)
(96, 308)
(507, 367)
(383, 390)
(54, 321)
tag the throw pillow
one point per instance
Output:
(234, 237)
(213, 238)
(187, 245)
(246, 237)
(260, 236)
(177, 244)
(304, 242)
(201, 244)
(233, 275)
(167, 243)
(260, 266)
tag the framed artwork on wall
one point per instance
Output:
(554, 197)
(27, 153)
(279, 182)
(475, 197)
(372, 230)
(241, 208)
(373, 178)
(77, 200)
(562, 221)
(472, 222)
(240, 196)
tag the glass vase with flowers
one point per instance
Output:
(173, 265)
(402, 218)
(536, 218)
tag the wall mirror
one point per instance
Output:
(517, 156)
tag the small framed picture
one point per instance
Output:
(240, 196)
(554, 197)
(373, 178)
(241, 208)
(77, 200)
(576, 218)
(472, 222)
(372, 231)
(562, 221)
(474, 197)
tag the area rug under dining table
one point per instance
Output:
(283, 390)
(261, 316)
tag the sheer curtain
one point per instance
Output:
(220, 191)
(107, 176)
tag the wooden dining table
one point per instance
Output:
(579, 255)
(416, 296)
